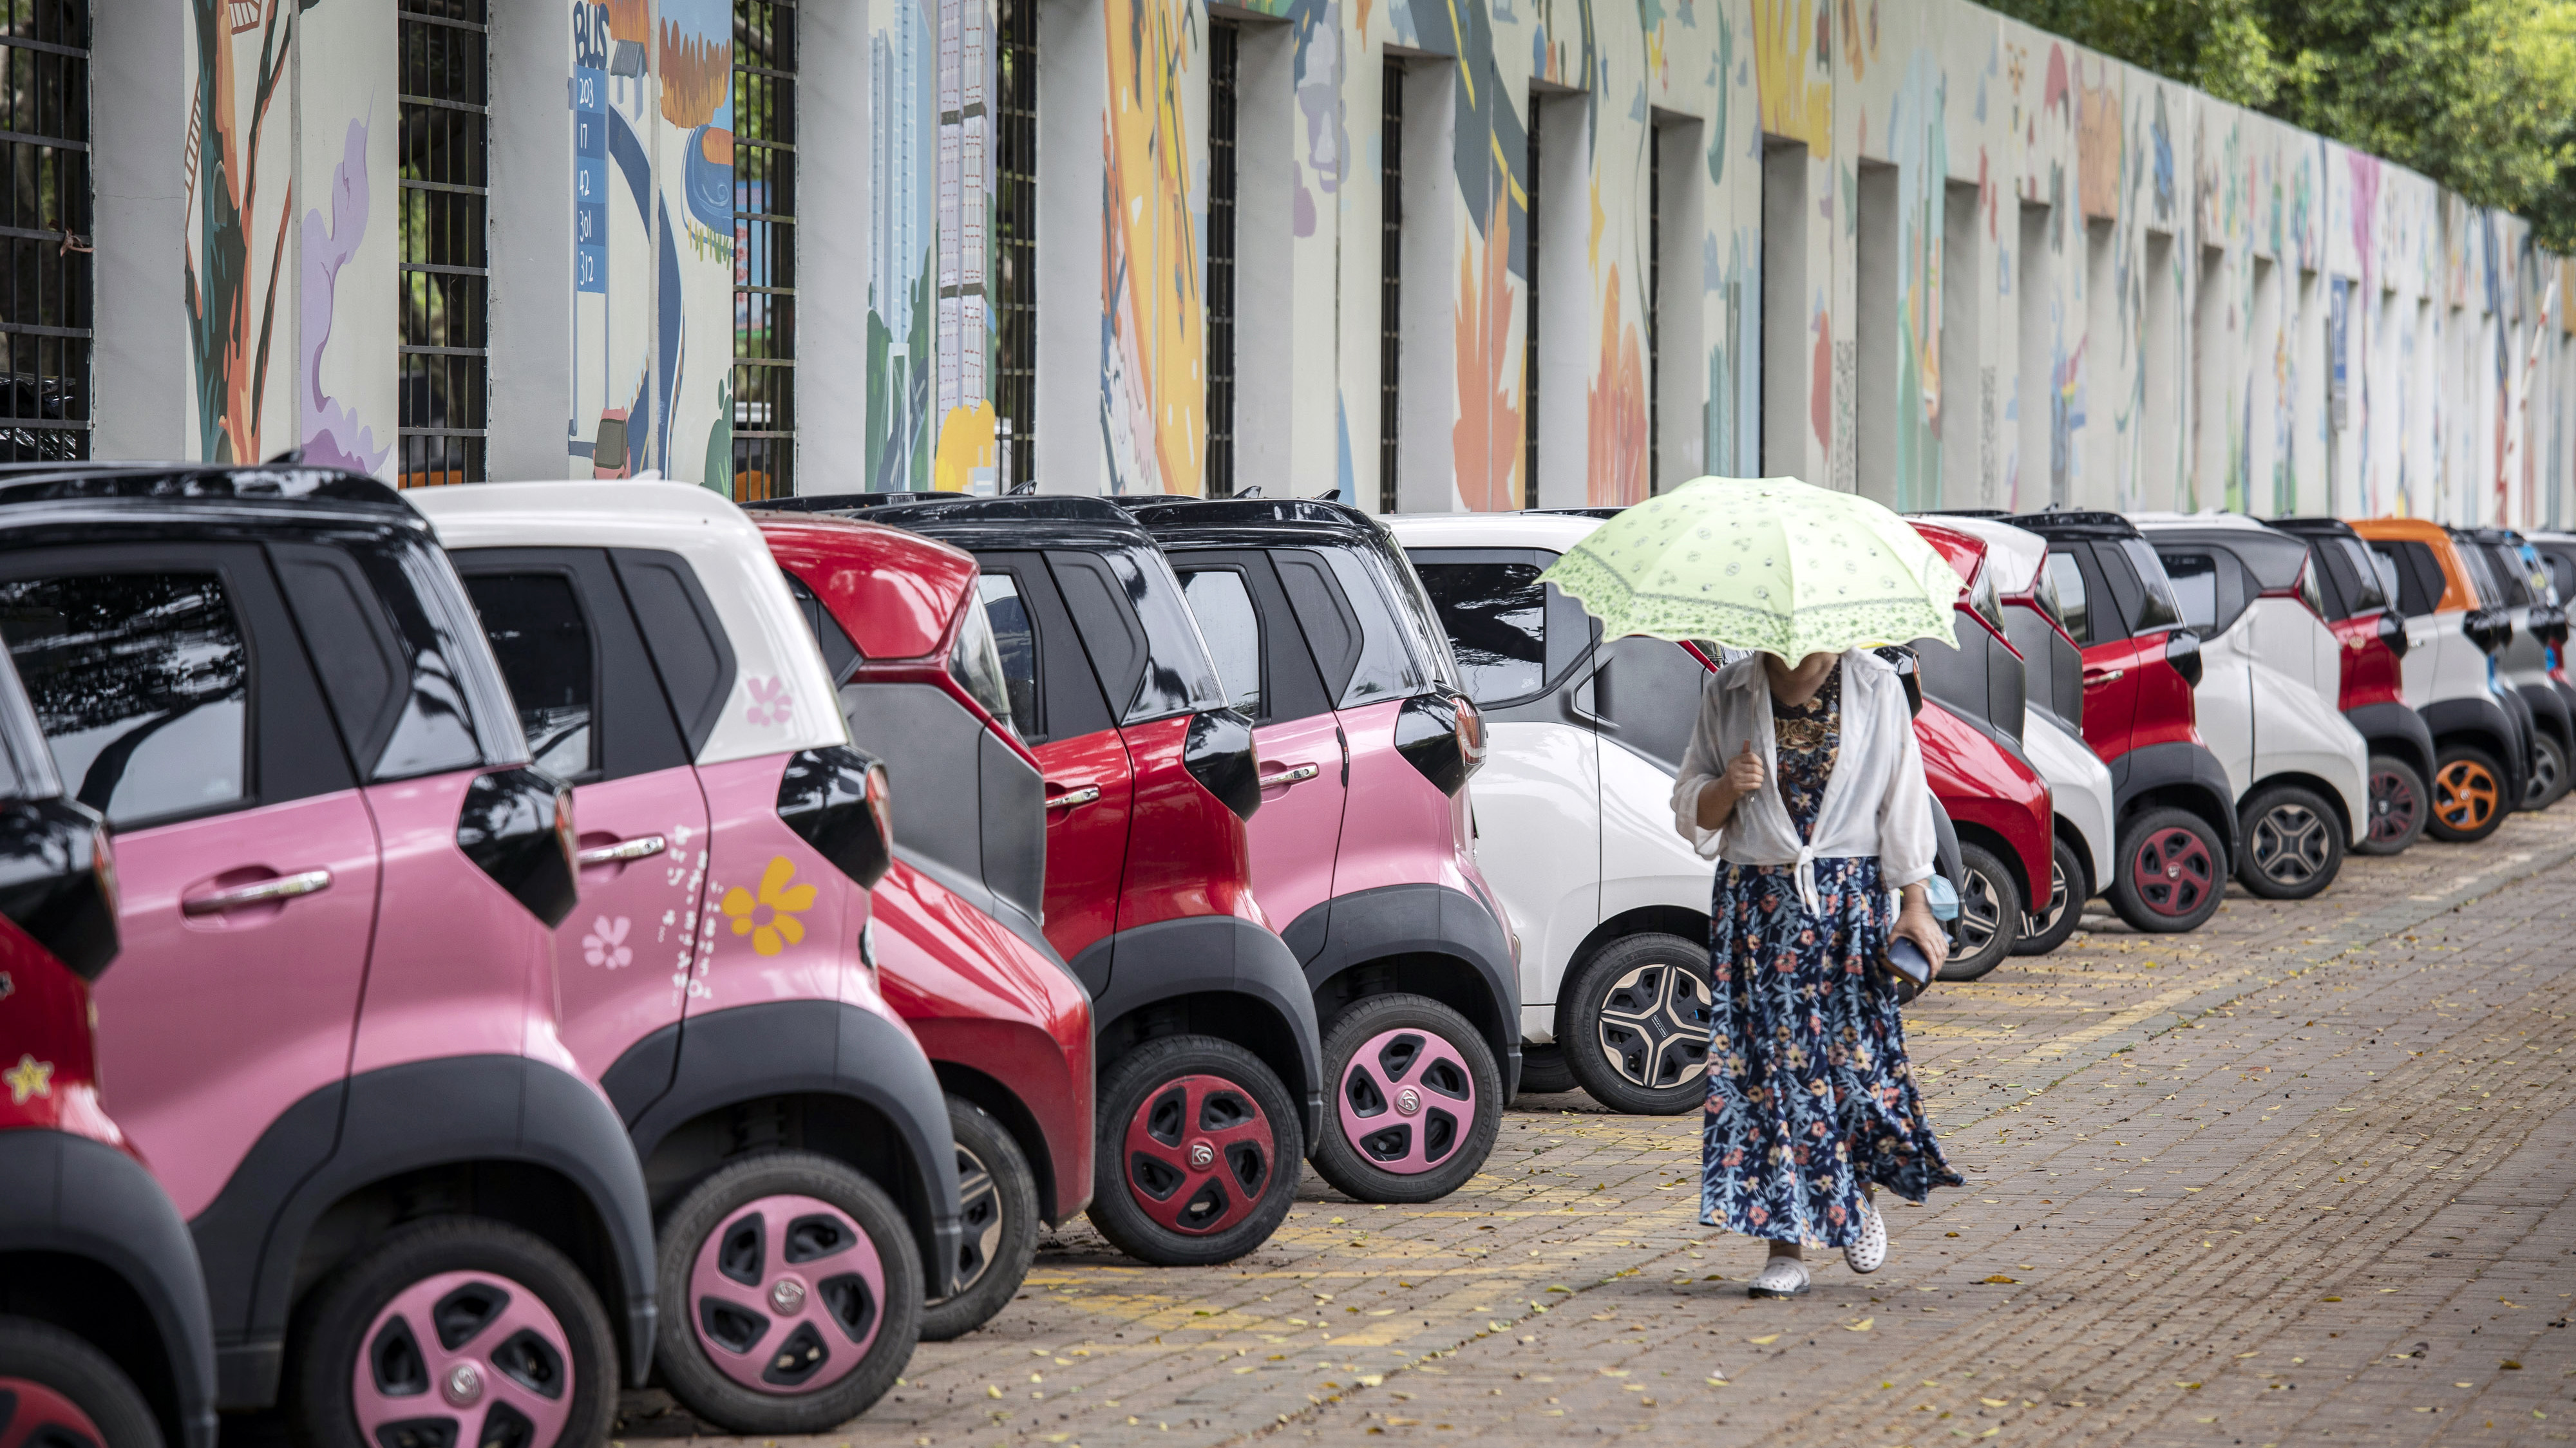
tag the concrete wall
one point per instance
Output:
(1914, 250)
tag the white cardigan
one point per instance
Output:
(1876, 803)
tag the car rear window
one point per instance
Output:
(1496, 617)
(2064, 578)
(2156, 607)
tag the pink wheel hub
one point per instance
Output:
(1406, 1100)
(2174, 872)
(465, 1358)
(30, 1412)
(787, 1295)
(1199, 1154)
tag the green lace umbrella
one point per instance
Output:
(1769, 564)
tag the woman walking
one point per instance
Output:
(1806, 783)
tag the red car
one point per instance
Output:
(963, 956)
(2175, 808)
(1107, 722)
(1970, 731)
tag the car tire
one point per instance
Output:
(998, 1199)
(2549, 779)
(2063, 910)
(460, 1319)
(2400, 803)
(1544, 1071)
(1413, 1100)
(2170, 872)
(2293, 843)
(1152, 1196)
(791, 1293)
(65, 1391)
(1989, 914)
(2468, 796)
(1637, 1034)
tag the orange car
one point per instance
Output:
(2482, 731)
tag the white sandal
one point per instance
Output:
(1780, 1277)
(1868, 1252)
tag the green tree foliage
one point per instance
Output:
(2479, 95)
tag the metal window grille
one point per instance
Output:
(45, 231)
(1224, 39)
(1390, 286)
(1016, 167)
(445, 271)
(1529, 331)
(1654, 306)
(764, 249)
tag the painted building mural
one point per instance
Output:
(1915, 250)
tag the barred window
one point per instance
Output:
(446, 270)
(1016, 166)
(1224, 72)
(1390, 285)
(764, 249)
(45, 230)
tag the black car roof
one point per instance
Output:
(1037, 520)
(843, 502)
(2275, 558)
(2505, 537)
(2072, 523)
(270, 495)
(1253, 521)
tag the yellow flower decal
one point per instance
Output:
(770, 920)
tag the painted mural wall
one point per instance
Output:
(2015, 272)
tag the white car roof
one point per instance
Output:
(1554, 531)
(2015, 554)
(775, 658)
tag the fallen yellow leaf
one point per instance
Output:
(1763, 1341)
(1999, 1277)
(1861, 1326)
(1996, 1402)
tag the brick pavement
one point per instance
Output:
(2225, 1178)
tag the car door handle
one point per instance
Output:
(2091, 678)
(1296, 774)
(284, 887)
(642, 847)
(1078, 795)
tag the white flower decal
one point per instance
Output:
(606, 943)
(770, 704)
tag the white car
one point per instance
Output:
(2271, 672)
(2052, 738)
(1573, 831)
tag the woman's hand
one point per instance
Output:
(1744, 772)
(1914, 922)
(1718, 797)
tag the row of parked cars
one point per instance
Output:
(564, 937)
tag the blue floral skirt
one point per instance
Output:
(1809, 1093)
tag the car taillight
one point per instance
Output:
(1443, 736)
(2182, 650)
(517, 827)
(837, 800)
(2488, 628)
(2392, 632)
(58, 881)
(1218, 754)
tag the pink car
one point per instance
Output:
(1363, 852)
(333, 1030)
(720, 978)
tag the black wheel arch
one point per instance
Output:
(90, 1243)
(2065, 832)
(2480, 723)
(2176, 775)
(2395, 730)
(999, 1102)
(1424, 938)
(1214, 975)
(2313, 785)
(1993, 843)
(1676, 920)
(506, 1137)
(812, 1075)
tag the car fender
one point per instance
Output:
(2188, 775)
(2397, 729)
(1424, 919)
(1213, 955)
(82, 1198)
(2480, 719)
(382, 1123)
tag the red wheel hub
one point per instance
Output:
(1199, 1153)
(35, 1413)
(2394, 807)
(2173, 872)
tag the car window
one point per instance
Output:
(2065, 578)
(542, 642)
(1178, 676)
(1387, 668)
(2562, 576)
(141, 682)
(1227, 620)
(1496, 618)
(2157, 608)
(2367, 583)
(1015, 640)
(975, 662)
(1413, 606)
(2396, 584)
(2195, 587)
